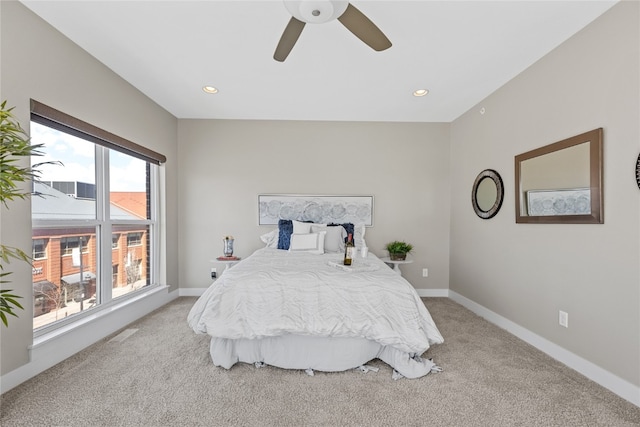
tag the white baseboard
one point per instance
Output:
(617, 385)
(48, 352)
(191, 292)
(431, 293)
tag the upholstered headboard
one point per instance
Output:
(318, 209)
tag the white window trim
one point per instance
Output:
(105, 301)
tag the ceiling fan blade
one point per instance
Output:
(288, 39)
(364, 29)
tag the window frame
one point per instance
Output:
(35, 255)
(115, 244)
(137, 242)
(84, 249)
(103, 224)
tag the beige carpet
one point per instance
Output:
(161, 375)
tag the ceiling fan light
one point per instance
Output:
(316, 11)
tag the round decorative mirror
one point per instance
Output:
(487, 194)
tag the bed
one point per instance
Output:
(300, 308)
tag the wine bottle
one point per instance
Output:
(349, 250)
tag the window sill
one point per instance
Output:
(96, 314)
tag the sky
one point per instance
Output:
(78, 158)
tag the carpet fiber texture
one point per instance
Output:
(161, 375)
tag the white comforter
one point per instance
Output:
(275, 292)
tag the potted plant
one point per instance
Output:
(398, 250)
(15, 144)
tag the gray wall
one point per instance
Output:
(420, 175)
(528, 272)
(39, 63)
(225, 164)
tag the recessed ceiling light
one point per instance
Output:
(421, 92)
(210, 89)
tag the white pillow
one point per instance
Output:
(301, 227)
(270, 239)
(358, 238)
(310, 242)
(334, 240)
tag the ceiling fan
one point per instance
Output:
(321, 11)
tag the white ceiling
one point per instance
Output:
(460, 50)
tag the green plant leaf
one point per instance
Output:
(399, 247)
(7, 253)
(11, 300)
(15, 145)
(8, 302)
(4, 319)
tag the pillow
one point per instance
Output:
(358, 236)
(309, 242)
(349, 227)
(334, 239)
(270, 239)
(285, 229)
(301, 227)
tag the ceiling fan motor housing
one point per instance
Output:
(316, 11)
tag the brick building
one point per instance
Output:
(64, 259)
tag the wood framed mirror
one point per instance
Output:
(561, 182)
(487, 194)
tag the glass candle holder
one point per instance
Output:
(228, 247)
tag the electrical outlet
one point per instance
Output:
(425, 272)
(563, 319)
(214, 273)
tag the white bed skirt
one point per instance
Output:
(327, 354)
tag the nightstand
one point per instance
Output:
(228, 261)
(395, 265)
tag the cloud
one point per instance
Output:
(127, 173)
(78, 161)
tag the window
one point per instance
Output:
(39, 250)
(94, 189)
(114, 275)
(68, 244)
(134, 239)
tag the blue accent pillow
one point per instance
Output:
(285, 227)
(285, 230)
(350, 230)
